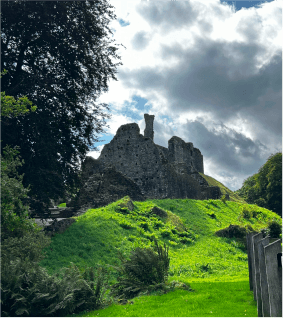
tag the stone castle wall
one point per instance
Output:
(158, 171)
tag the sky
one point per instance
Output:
(211, 73)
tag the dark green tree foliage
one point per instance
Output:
(265, 187)
(60, 55)
(274, 229)
(14, 213)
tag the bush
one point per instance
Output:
(274, 229)
(232, 231)
(165, 233)
(145, 270)
(28, 290)
(246, 213)
(186, 240)
(126, 225)
(223, 198)
(157, 224)
(14, 213)
(144, 225)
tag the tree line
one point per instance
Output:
(265, 187)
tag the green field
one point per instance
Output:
(215, 267)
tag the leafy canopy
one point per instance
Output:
(265, 187)
(60, 55)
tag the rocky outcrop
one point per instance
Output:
(236, 231)
(58, 226)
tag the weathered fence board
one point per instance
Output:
(265, 274)
(274, 278)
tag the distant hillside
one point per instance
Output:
(213, 182)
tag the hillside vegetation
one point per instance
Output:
(265, 187)
(187, 227)
(213, 182)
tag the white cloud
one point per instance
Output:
(204, 63)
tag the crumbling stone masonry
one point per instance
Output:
(157, 171)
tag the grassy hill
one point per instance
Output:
(213, 182)
(197, 255)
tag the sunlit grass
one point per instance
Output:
(209, 299)
(214, 266)
(62, 205)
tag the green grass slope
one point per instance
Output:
(213, 182)
(215, 267)
(186, 226)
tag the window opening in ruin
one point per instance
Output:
(121, 164)
(137, 155)
(136, 163)
(127, 140)
(105, 156)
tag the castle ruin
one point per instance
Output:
(158, 172)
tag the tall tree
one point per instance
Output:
(14, 214)
(61, 56)
(265, 187)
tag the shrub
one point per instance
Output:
(144, 225)
(28, 290)
(131, 238)
(274, 229)
(14, 212)
(123, 210)
(188, 234)
(232, 231)
(223, 198)
(165, 232)
(150, 236)
(158, 224)
(212, 202)
(246, 213)
(186, 240)
(145, 270)
(260, 202)
(256, 214)
(126, 225)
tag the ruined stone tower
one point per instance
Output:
(143, 168)
(148, 132)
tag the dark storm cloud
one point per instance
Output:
(225, 146)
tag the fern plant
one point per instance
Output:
(145, 270)
(28, 290)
